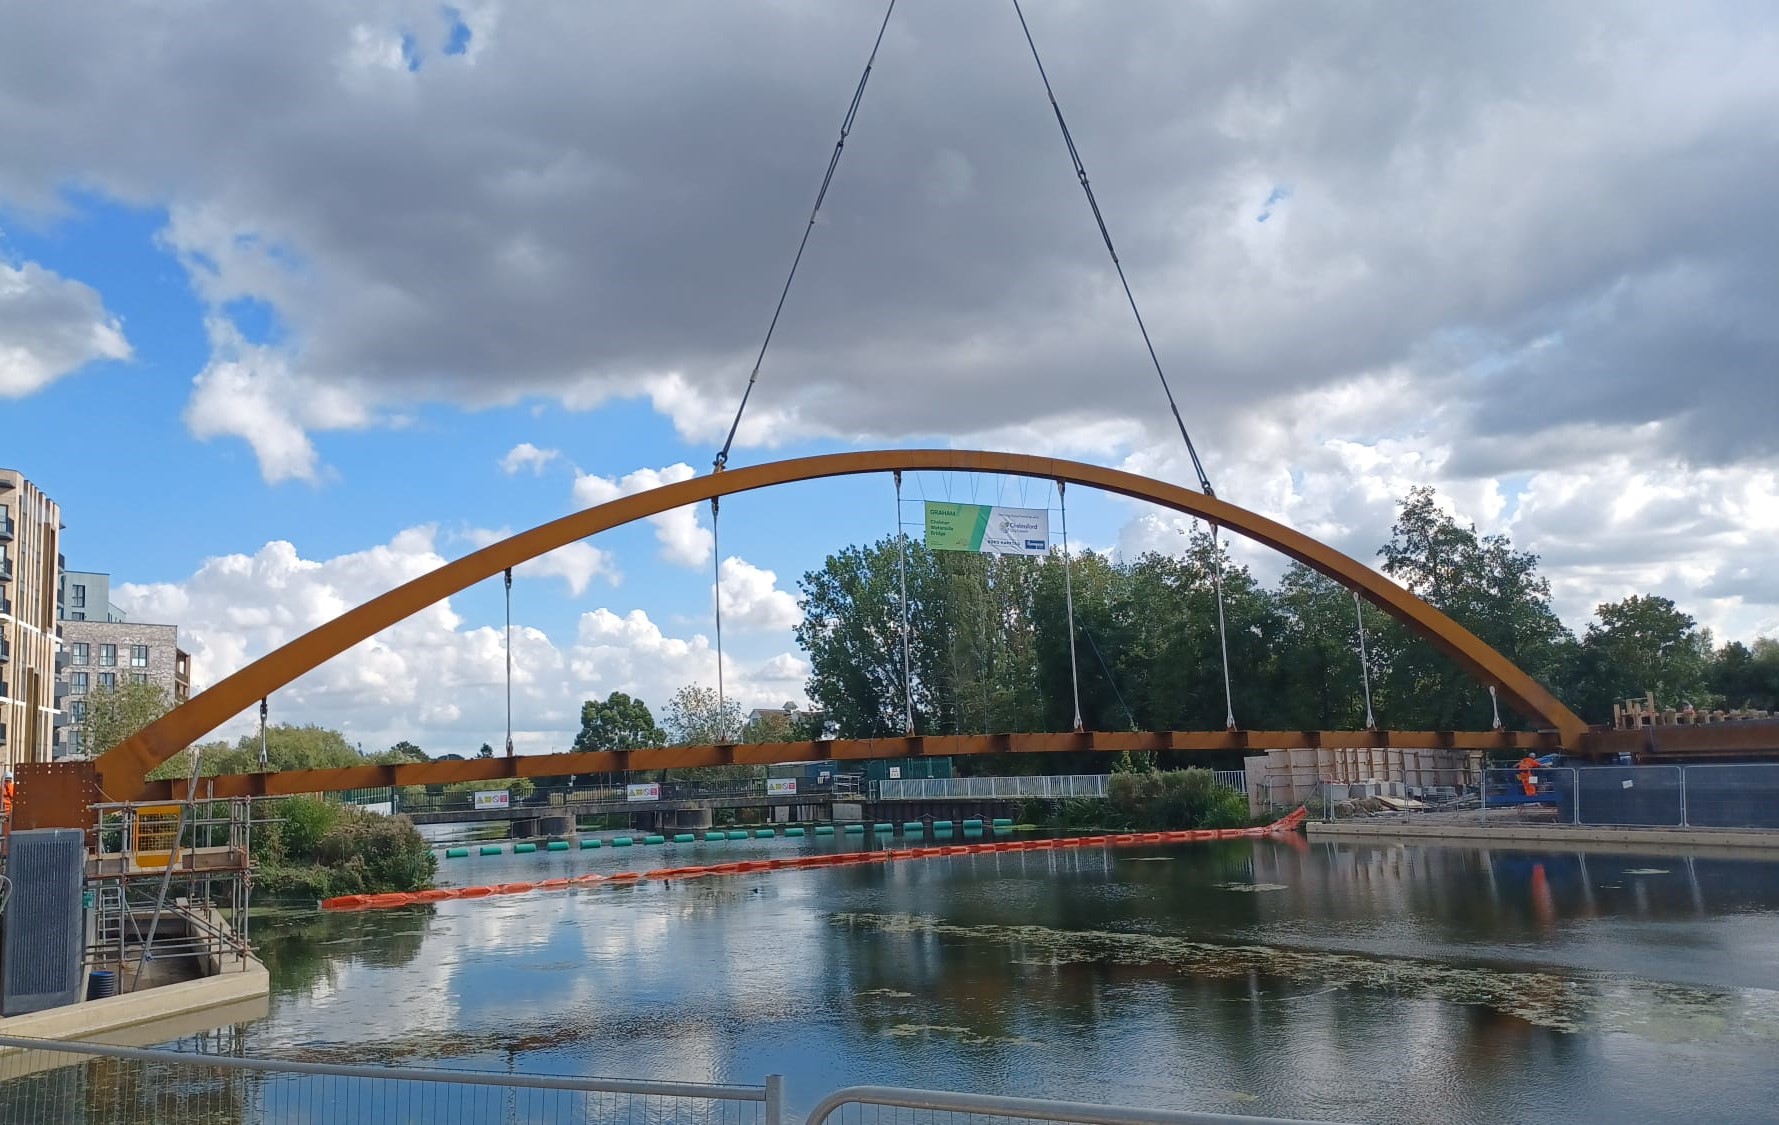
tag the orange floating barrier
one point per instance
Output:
(660, 873)
(1150, 837)
(345, 902)
(436, 894)
(587, 878)
(474, 892)
(512, 888)
(623, 877)
(552, 884)
(1126, 838)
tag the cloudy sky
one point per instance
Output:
(298, 302)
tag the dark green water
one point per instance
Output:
(1351, 982)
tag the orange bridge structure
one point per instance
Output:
(62, 794)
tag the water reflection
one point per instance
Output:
(1357, 982)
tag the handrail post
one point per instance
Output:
(774, 1099)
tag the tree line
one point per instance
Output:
(988, 641)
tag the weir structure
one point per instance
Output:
(62, 794)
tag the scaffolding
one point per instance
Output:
(168, 888)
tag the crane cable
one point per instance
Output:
(716, 589)
(508, 645)
(852, 112)
(1204, 480)
(1364, 662)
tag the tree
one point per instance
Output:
(617, 723)
(486, 751)
(403, 751)
(115, 713)
(695, 717)
(288, 747)
(788, 725)
(1747, 677)
(1640, 644)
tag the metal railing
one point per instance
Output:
(892, 1106)
(989, 788)
(1694, 796)
(92, 1084)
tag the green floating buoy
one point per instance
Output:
(622, 841)
(737, 834)
(456, 853)
(943, 833)
(1003, 822)
(652, 839)
(683, 837)
(883, 828)
(590, 842)
(491, 849)
(969, 824)
(764, 833)
(521, 849)
(941, 825)
(715, 836)
(853, 828)
(824, 830)
(913, 827)
(793, 832)
(558, 845)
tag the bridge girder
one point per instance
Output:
(121, 770)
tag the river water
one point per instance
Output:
(1352, 982)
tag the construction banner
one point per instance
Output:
(983, 529)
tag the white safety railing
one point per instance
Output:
(43, 1081)
(893, 1106)
(990, 788)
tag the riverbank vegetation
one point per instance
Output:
(1146, 800)
(311, 847)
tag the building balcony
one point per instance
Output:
(5, 570)
(5, 690)
(2, 734)
(5, 651)
(6, 606)
(5, 529)
(61, 690)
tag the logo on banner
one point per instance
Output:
(984, 529)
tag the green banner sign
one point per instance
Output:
(983, 529)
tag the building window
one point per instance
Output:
(81, 652)
(77, 617)
(77, 681)
(108, 679)
(79, 598)
(78, 710)
(138, 677)
(138, 656)
(107, 656)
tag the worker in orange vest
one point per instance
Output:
(7, 794)
(1527, 781)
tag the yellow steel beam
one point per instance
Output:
(121, 769)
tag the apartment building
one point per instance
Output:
(30, 579)
(104, 649)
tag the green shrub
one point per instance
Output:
(1173, 800)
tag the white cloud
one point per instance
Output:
(751, 599)
(577, 564)
(683, 539)
(527, 456)
(50, 326)
(435, 678)
(250, 391)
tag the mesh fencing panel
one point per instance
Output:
(1736, 796)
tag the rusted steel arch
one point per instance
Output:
(122, 768)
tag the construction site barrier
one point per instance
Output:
(1289, 823)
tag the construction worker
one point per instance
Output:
(7, 794)
(1528, 782)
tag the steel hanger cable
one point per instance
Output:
(852, 112)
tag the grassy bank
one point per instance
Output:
(318, 849)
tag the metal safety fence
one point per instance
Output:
(886, 1105)
(95, 1084)
(989, 788)
(1664, 796)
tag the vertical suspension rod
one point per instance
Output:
(902, 575)
(716, 589)
(508, 645)
(1068, 588)
(1364, 662)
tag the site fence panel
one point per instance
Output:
(1634, 796)
(1040, 786)
(92, 1084)
(885, 1105)
(1732, 796)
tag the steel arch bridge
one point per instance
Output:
(120, 773)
